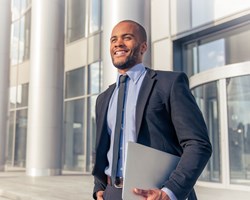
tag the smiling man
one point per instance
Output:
(127, 46)
(153, 108)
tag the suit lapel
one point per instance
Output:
(104, 107)
(107, 97)
(144, 94)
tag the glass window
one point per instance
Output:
(204, 11)
(24, 40)
(20, 137)
(204, 7)
(20, 34)
(75, 83)
(15, 9)
(19, 7)
(95, 12)
(94, 78)
(76, 19)
(91, 133)
(218, 50)
(237, 46)
(15, 28)
(74, 158)
(22, 95)
(13, 97)
(207, 99)
(238, 97)
(24, 4)
(10, 137)
(191, 59)
(211, 54)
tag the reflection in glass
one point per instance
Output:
(20, 137)
(207, 99)
(238, 97)
(94, 78)
(76, 19)
(10, 137)
(91, 133)
(75, 83)
(95, 12)
(24, 39)
(20, 38)
(22, 95)
(15, 28)
(18, 7)
(74, 157)
(211, 54)
(13, 97)
(15, 9)
(229, 47)
(24, 5)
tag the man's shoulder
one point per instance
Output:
(107, 90)
(165, 74)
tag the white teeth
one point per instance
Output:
(120, 53)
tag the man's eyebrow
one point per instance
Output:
(128, 34)
(123, 35)
(112, 37)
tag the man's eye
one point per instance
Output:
(127, 38)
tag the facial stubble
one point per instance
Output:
(130, 61)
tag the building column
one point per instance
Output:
(45, 112)
(5, 24)
(113, 12)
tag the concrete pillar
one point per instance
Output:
(5, 24)
(45, 112)
(113, 12)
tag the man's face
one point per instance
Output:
(126, 49)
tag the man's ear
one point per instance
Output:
(144, 47)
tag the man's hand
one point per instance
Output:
(99, 195)
(153, 194)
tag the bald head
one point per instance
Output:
(141, 30)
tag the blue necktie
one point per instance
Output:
(118, 126)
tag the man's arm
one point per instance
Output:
(192, 135)
(98, 189)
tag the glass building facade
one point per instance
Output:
(206, 40)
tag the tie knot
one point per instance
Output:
(123, 78)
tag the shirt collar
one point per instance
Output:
(134, 73)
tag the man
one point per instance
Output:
(159, 111)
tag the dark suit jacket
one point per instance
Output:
(167, 119)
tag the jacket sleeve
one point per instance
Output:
(98, 186)
(192, 135)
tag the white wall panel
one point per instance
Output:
(76, 55)
(162, 55)
(94, 49)
(23, 73)
(159, 19)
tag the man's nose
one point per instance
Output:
(119, 42)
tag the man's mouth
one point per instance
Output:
(120, 53)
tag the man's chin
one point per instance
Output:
(125, 65)
(122, 66)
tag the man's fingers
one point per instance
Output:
(99, 195)
(142, 192)
(155, 194)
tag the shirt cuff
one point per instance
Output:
(169, 193)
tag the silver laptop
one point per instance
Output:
(146, 168)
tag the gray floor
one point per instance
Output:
(18, 186)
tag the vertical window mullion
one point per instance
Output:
(224, 145)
